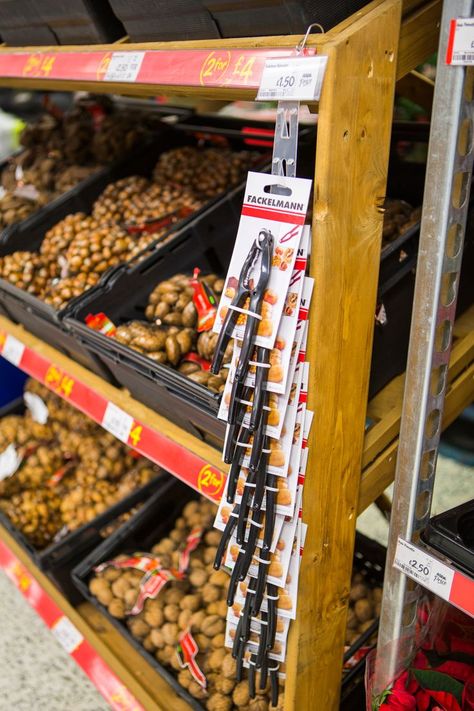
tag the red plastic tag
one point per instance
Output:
(186, 651)
(152, 584)
(59, 475)
(139, 562)
(195, 358)
(100, 322)
(192, 542)
(205, 303)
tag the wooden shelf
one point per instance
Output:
(227, 69)
(171, 446)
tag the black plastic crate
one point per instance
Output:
(452, 534)
(22, 25)
(155, 521)
(79, 21)
(42, 319)
(251, 18)
(148, 526)
(148, 20)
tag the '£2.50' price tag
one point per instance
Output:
(292, 79)
(422, 567)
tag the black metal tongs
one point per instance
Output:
(252, 288)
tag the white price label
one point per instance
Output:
(37, 407)
(117, 422)
(422, 567)
(461, 42)
(10, 460)
(124, 66)
(13, 350)
(67, 635)
(292, 79)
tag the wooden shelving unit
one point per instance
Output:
(349, 467)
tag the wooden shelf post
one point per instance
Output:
(351, 171)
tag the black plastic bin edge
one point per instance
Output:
(442, 534)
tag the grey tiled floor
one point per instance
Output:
(37, 675)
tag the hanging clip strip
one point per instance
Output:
(243, 444)
(251, 661)
(272, 597)
(262, 622)
(250, 485)
(252, 314)
(234, 515)
(251, 592)
(275, 668)
(266, 451)
(271, 488)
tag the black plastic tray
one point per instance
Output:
(21, 24)
(147, 20)
(452, 534)
(43, 320)
(152, 523)
(147, 527)
(80, 21)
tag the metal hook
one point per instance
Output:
(301, 45)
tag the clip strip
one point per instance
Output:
(254, 523)
(253, 663)
(262, 622)
(243, 444)
(263, 562)
(244, 402)
(252, 314)
(271, 488)
(250, 485)
(272, 597)
(266, 451)
(275, 668)
(259, 364)
(251, 592)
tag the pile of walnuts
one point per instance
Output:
(173, 334)
(71, 471)
(126, 218)
(197, 603)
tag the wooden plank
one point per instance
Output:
(418, 88)
(351, 171)
(381, 472)
(386, 406)
(162, 697)
(418, 37)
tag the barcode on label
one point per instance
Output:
(460, 49)
(117, 422)
(294, 78)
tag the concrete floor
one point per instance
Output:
(37, 675)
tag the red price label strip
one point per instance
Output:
(433, 574)
(110, 686)
(237, 68)
(172, 456)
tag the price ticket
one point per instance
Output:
(13, 350)
(460, 49)
(422, 567)
(292, 79)
(124, 66)
(117, 422)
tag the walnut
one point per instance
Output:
(117, 608)
(157, 638)
(153, 615)
(211, 593)
(198, 577)
(138, 627)
(225, 686)
(171, 613)
(197, 691)
(212, 625)
(240, 695)
(229, 666)
(219, 702)
(170, 632)
(215, 659)
(190, 602)
(184, 619)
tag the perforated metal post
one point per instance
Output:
(448, 182)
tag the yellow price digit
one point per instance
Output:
(53, 376)
(136, 434)
(244, 68)
(47, 65)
